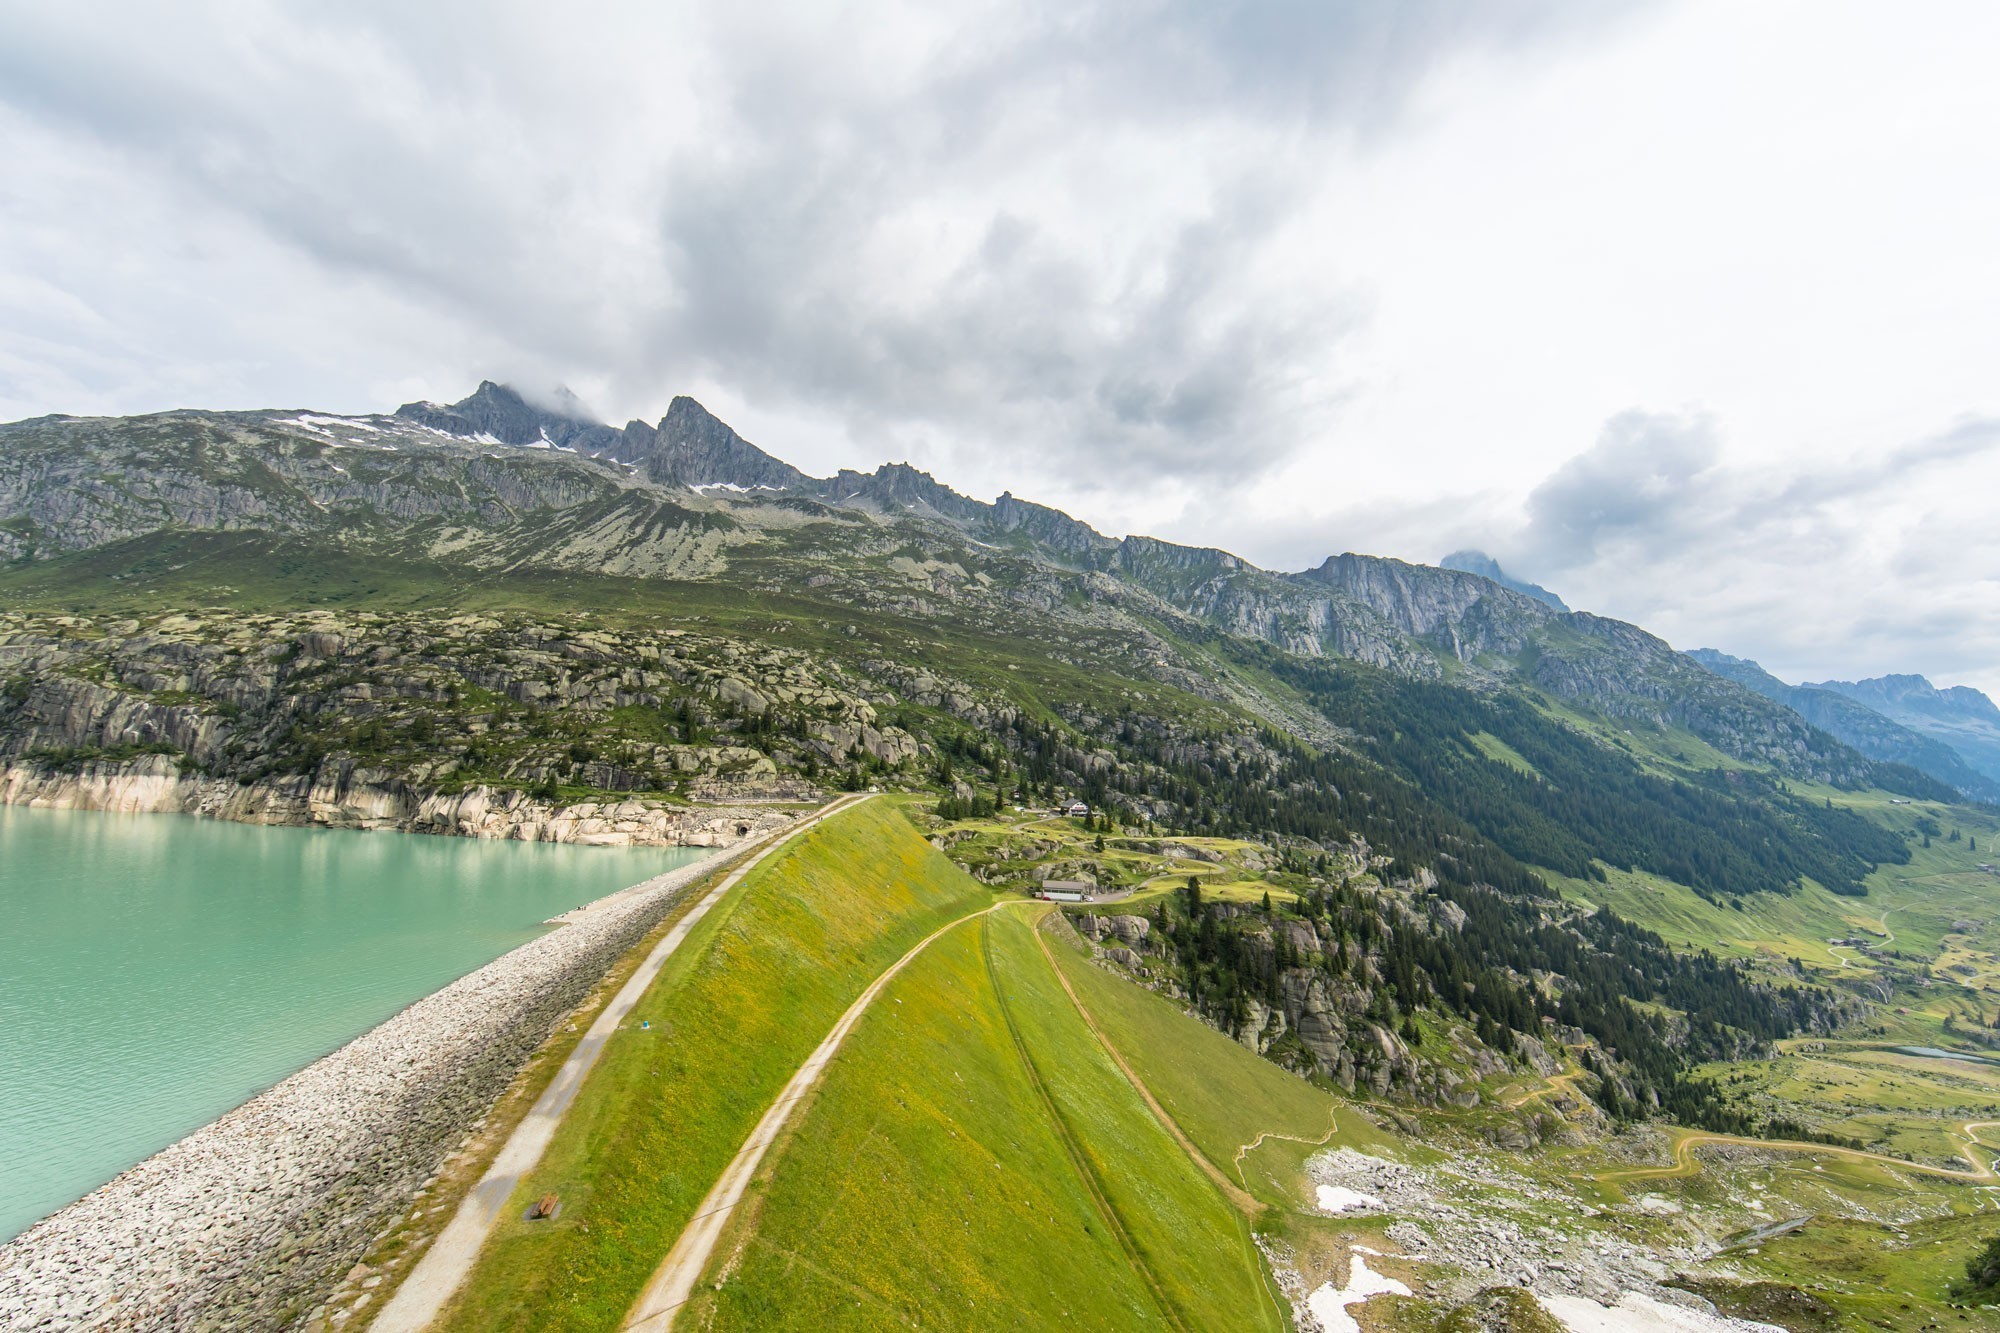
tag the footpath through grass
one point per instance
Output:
(751, 993)
(975, 1161)
(1253, 1120)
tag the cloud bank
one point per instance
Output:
(1055, 229)
(1286, 277)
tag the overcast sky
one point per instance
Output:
(1689, 309)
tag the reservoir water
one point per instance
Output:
(1933, 1053)
(157, 970)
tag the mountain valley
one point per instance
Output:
(1600, 958)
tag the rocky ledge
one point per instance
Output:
(244, 1223)
(345, 796)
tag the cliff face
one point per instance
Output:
(463, 726)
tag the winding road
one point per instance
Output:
(1685, 1165)
(1888, 937)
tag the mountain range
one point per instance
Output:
(1421, 834)
(1484, 565)
(1953, 735)
(1958, 716)
(496, 483)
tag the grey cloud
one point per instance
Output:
(644, 199)
(1644, 480)
(1854, 566)
(1654, 484)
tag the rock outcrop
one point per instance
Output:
(353, 798)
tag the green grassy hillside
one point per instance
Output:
(753, 990)
(974, 1160)
(983, 1152)
(1254, 1122)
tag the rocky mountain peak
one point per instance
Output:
(1051, 527)
(1419, 598)
(498, 412)
(899, 487)
(693, 447)
(1486, 567)
(492, 409)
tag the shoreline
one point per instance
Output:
(242, 1223)
(348, 797)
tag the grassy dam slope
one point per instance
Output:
(987, 1149)
(751, 993)
(975, 1160)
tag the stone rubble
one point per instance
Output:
(1463, 1228)
(246, 1222)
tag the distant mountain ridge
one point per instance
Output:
(1871, 730)
(496, 482)
(1958, 716)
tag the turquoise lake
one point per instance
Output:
(157, 970)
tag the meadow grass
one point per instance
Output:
(974, 1160)
(750, 993)
(1222, 1095)
(1769, 926)
(1900, 1104)
(1180, 1222)
(1885, 1274)
(1492, 747)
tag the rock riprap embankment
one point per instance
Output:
(244, 1223)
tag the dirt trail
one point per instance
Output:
(1566, 1081)
(445, 1266)
(1240, 1197)
(1079, 1158)
(673, 1281)
(1685, 1165)
(1332, 1128)
(1971, 1130)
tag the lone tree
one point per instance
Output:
(1982, 1271)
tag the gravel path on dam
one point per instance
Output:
(243, 1222)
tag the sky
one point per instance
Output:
(1687, 309)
